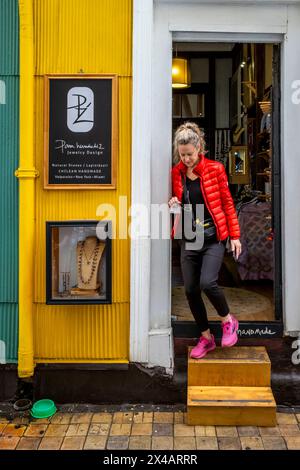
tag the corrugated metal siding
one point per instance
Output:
(93, 36)
(83, 35)
(9, 38)
(75, 333)
(9, 156)
(9, 330)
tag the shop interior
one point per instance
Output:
(228, 90)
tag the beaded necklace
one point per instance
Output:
(92, 259)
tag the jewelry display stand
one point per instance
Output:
(79, 262)
(89, 253)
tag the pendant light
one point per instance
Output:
(181, 75)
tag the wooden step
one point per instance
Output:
(231, 406)
(242, 366)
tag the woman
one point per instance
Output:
(198, 180)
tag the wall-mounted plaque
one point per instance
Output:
(78, 262)
(81, 131)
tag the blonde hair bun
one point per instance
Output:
(188, 133)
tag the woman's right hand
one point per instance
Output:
(173, 200)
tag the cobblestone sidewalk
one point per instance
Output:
(150, 430)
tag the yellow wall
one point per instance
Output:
(93, 36)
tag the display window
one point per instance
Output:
(78, 262)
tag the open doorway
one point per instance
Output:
(234, 98)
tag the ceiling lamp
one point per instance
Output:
(181, 75)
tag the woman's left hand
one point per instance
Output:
(236, 248)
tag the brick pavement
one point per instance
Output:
(150, 430)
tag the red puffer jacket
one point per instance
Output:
(214, 186)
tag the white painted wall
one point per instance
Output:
(208, 17)
(290, 126)
(141, 187)
(2, 92)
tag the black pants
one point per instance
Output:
(200, 270)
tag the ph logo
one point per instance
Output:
(80, 104)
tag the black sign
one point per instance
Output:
(80, 144)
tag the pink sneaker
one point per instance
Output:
(230, 336)
(203, 347)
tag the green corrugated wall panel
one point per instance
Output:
(8, 333)
(9, 38)
(9, 158)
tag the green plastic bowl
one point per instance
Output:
(43, 409)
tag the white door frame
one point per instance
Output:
(155, 25)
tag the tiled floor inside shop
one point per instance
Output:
(136, 429)
(248, 300)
